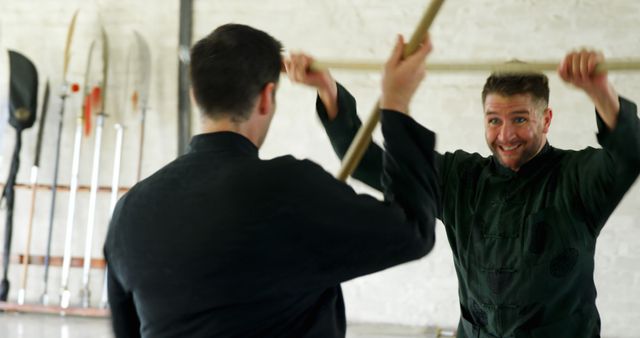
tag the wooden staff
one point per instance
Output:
(488, 66)
(34, 182)
(363, 137)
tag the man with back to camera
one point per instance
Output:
(522, 224)
(220, 243)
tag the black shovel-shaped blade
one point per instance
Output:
(23, 91)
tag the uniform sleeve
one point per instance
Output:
(341, 132)
(344, 235)
(604, 176)
(124, 318)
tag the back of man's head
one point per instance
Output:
(507, 84)
(230, 67)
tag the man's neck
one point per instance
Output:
(213, 126)
(243, 128)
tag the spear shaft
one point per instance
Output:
(65, 294)
(95, 174)
(56, 168)
(34, 181)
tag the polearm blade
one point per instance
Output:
(23, 104)
(95, 174)
(67, 46)
(144, 62)
(362, 139)
(34, 182)
(64, 91)
(65, 295)
(136, 92)
(44, 109)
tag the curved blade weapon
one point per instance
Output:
(88, 104)
(140, 96)
(64, 91)
(95, 173)
(138, 72)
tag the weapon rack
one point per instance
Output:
(56, 261)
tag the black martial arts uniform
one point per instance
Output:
(523, 242)
(220, 243)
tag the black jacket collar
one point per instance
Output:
(224, 141)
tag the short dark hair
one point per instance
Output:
(508, 84)
(230, 67)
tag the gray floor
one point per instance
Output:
(13, 325)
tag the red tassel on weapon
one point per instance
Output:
(93, 104)
(87, 114)
(134, 100)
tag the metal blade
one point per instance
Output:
(23, 91)
(105, 69)
(86, 90)
(43, 120)
(67, 46)
(144, 62)
(142, 93)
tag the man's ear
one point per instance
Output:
(267, 99)
(192, 97)
(547, 115)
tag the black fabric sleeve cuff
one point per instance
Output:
(408, 158)
(341, 132)
(347, 119)
(400, 128)
(624, 139)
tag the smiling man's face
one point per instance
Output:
(515, 128)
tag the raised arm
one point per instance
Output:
(369, 235)
(578, 69)
(338, 114)
(298, 71)
(337, 111)
(603, 176)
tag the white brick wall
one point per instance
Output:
(420, 293)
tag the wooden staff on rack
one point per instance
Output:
(363, 137)
(34, 183)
